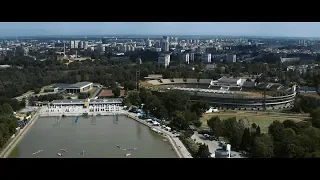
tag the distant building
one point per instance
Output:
(104, 41)
(85, 44)
(164, 60)
(76, 44)
(191, 56)
(71, 44)
(158, 44)
(201, 49)
(81, 44)
(210, 66)
(289, 59)
(25, 51)
(101, 48)
(156, 49)
(185, 57)
(148, 43)
(123, 48)
(206, 58)
(231, 58)
(165, 46)
(166, 38)
(79, 87)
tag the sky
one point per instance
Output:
(289, 29)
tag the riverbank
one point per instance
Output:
(179, 148)
(9, 148)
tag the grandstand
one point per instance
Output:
(230, 93)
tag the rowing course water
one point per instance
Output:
(98, 139)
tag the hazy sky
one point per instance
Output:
(305, 29)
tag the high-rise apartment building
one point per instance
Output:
(232, 58)
(164, 60)
(191, 56)
(185, 57)
(206, 58)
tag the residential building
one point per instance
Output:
(185, 57)
(85, 44)
(164, 60)
(79, 87)
(206, 58)
(289, 59)
(191, 56)
(76, 44)
(231, 58)
(71, 44)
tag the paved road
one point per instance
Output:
(212, 145)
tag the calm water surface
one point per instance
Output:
(98, 140)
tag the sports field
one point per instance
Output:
(263, 119)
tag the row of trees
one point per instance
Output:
(239, 133)
(305, 104)
(175, 105)
(8, 123)
(288, 139)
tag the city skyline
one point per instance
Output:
(276, 29)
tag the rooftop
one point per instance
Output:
(228, 80)
(79, 84)
(249, 84)
(71, 101)
(62, 86)
(106, 93)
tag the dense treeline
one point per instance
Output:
(239, 133)
(8, 123)
(284, 140)
(305, 104)
(175, 105)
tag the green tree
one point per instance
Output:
(134, 98)
(126, 102)
(192, 117)
(155, 107)
(144, 94)
(246, 140)
(116, 91)
(203, 151)
(215, 125)
(258, 131)
(176, 100)
(275, 129)
(180, 121)
(285, 146)
(37, 90)
(263, 146)
(6, 109)
(315, 115)
(200, 107)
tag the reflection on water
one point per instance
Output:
(139, 131)
(96, 141)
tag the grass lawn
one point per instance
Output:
(263, 119)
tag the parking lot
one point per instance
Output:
(212, 144)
